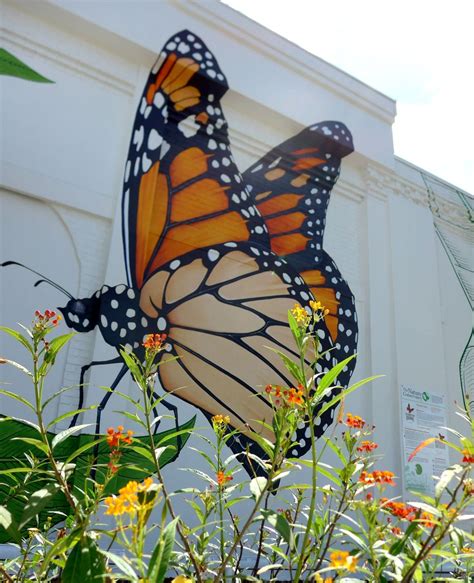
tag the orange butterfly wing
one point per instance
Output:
(182, 189)
(291, 187)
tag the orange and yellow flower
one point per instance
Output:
(377, 477)
(367, 446)
(468, 457)
(354, 421)
(343, 560)
(154, 342)
(127, 501)
(116, 436)
(222, 478)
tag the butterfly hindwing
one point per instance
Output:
(291, 187)
(182, 189)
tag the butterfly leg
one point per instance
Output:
(104, 401)
(174, 410)
(84, 369)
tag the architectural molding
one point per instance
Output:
(65, 61)
(285, 52)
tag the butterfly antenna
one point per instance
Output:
(43, 279)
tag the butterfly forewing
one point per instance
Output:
(182, 189)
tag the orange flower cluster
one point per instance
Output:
(367, 446)
(288, 397)
(154, 341)
(354, 421)
(468, 457)
(399, 509)
(396, 531)
(116, 437)
(49, 317)
(222, 478)
(377, 477)
(343, 560)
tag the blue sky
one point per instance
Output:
(418, 52)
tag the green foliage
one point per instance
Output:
(340, 524)
(12, 66)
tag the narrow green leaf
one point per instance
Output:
(70, 414)
(19, 337)
(162, 554)
(9, 524)
(122, 564)
(31, 441)
(280, 524)
(18, 398)
(13, 67)
(56, 345)
(327, 380)
(37, 502)
(345, 393)
(67, 432)
(257, 486)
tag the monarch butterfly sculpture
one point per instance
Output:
(215, 259)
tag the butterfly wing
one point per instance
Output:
(199, 252)
(227, 309)
(291, 187)
(182, 189)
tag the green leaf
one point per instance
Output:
(70, 414)
(257, 486)
(266, 568)
(280, 524)
(31, 441)
(85, 564)
(13, 67)
(37, 502)
(16, 365)
(332, 374)
(60, 437)
(84, 449)
(19, 337)
(162, 554)
(343, 394)
(298, 333)
(122, 564)
(9, 524)
(55, 346)
(293, 368)
(18, 398)
(132, 363)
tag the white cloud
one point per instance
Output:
(417, 52)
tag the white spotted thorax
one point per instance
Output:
(121, 320)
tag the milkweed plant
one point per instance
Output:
(73, 514)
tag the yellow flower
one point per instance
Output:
(145, 485)
(182, 579)
(319, 579)
(300, 314)
(129, 492)
(221, 419)
(343, 560)
(115, 506)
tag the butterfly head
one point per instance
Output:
(81, 315)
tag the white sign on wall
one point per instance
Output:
(423, 415)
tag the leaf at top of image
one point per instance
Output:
(10, 65)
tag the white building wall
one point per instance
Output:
(63, 153)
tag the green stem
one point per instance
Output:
(144, 385)
(314, 472)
